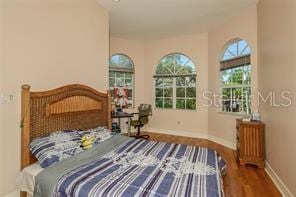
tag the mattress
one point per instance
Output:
(26, 178)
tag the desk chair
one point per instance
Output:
(145, 110)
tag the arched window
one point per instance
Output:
(235, 70)
(121, 75)
(175, 82)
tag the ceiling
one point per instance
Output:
(155, 19)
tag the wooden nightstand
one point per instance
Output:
(250, 142)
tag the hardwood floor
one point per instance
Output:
(245, 181)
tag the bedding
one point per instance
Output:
(100, 134)
(56, 147)
(123, 166)
(26, 178)
(60, 145)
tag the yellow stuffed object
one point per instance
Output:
(87, 141)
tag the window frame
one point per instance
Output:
(131, 102)
(241, 86)
(174, 86)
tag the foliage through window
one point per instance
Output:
(235, 70)
(121, 74)
(175, 83)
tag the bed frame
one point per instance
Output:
(69, 107)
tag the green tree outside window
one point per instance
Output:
(236, 77)
(175, 83)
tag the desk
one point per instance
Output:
(120, 115)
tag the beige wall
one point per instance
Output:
(181, 122)
(146, 56)
(48, 44)
(242, 26)
(277, 41)
(1, 86)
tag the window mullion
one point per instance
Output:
(174, 64)
(133, 90)
(241, 99)
(124, 80)
(162, 86)
(185, 94)
(231, 99)
(115, 78)
(174, 93)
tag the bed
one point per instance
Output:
(118, 166)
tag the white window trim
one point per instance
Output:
(222, 86)
(174, 74)
(131, 71)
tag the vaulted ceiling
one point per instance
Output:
(155, 19)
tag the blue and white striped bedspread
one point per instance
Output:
(147, 168)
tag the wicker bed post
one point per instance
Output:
(25, 129)
(25, 125)
(109, 110)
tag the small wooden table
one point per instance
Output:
(120, 115)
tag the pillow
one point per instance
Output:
(56, 147)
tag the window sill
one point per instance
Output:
(239, 114)
(181, 110)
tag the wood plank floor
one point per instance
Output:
(246, 181)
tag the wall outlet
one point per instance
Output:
(6, 98)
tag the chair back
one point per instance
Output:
(145, 110)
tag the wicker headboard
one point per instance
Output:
(69, 107)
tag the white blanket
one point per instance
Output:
(25, 180)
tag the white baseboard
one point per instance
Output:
(223, 142)
(178, 133)
(13, 194)
(278, 181)
(194, 135)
